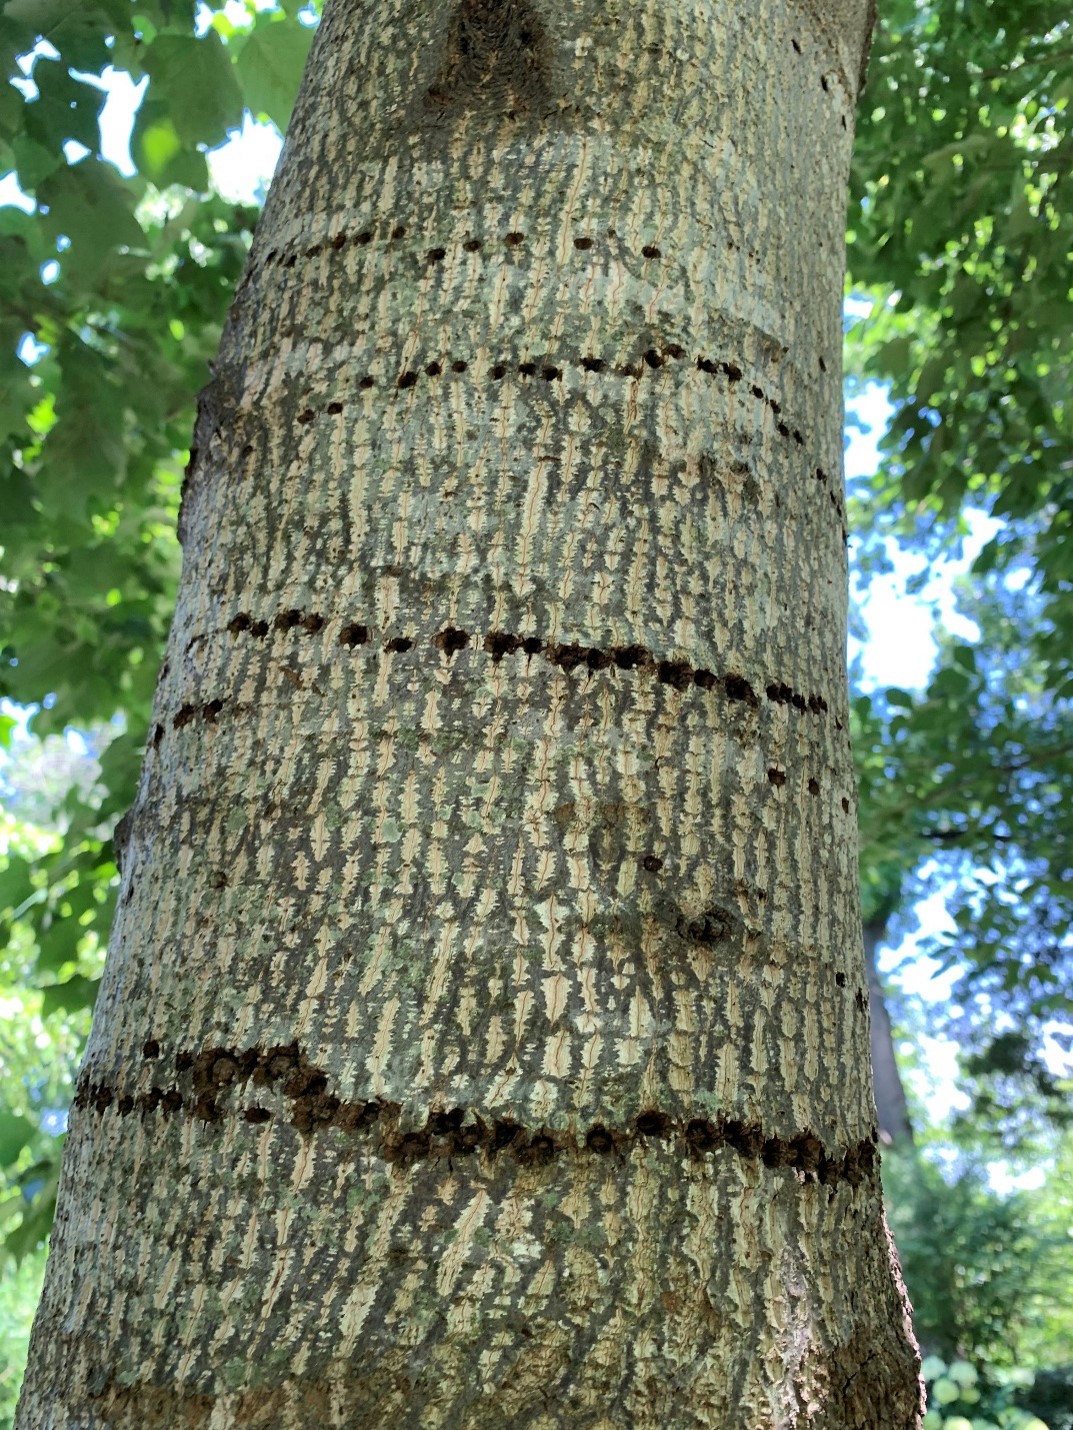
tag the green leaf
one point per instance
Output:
(58, 945)
(159, 152)
(91, 206)
(195, 83)
(16, 884)
(76, 993)
(16, 1132)
(269, 67)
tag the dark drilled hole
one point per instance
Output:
(629, 657)
(653, 1124)
(738, 688)
(701, 1135)
(355, 634)
(499, 643)
(398, 644)
(599, 1140)
(504, 1133)
(449, 640)
(675, 672)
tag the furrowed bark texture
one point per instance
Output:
(484, 1040)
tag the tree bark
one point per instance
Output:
(892, 1109)
(484, 1035)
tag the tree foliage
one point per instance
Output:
(961, 233)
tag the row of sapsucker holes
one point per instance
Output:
(652, 359)
(288, 257)
(567, 656)
(679, 674)
(210, 1075)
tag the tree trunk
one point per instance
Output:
(484, 1037)
(891, 1107)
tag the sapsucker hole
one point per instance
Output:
(499, 643)
(599, 1140)
(653, 1124)
(450, 640)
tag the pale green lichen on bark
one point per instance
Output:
(483, 1040)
